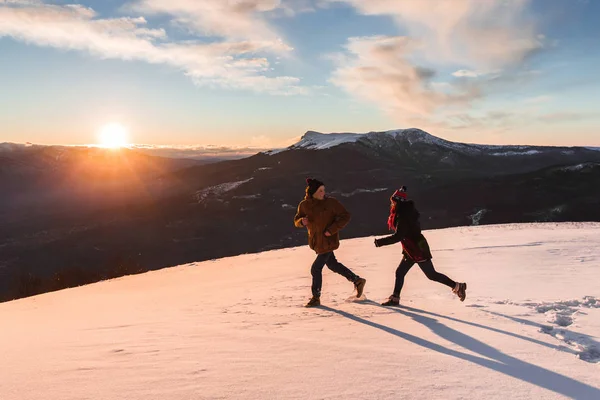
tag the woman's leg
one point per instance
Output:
(405, 266)
(432, 274)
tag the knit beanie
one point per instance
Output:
(312, 185)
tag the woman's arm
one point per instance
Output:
(395, 238)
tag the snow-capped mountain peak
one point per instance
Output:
(312, 140)
(320, 141)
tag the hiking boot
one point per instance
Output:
(314, 302)
(359, 285)
(392, 301)
(460, 290)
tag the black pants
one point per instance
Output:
(428, 270)
(333, 264)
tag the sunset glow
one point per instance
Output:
(113, 136)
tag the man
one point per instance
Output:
(324, 217)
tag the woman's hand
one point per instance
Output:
(327, 233)
(305, 221)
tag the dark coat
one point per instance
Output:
(408, 231)
(323, 215)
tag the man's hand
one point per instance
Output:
(305, 221)
(327, 233)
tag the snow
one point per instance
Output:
(358, 191)
(414, 135)
(235, 328)
(581, 167)
(217, 190)
(320, 141)
(272, 152)
(577, 167)
(516, 153)
(476, 218)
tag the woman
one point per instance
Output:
(404, 219)
(324, 217)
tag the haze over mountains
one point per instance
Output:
(96, 213)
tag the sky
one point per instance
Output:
(260, 73)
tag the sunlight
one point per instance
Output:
(113, 136)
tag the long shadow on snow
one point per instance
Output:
(505, 246)
(592, 356)
(489, 328)
(500, 362)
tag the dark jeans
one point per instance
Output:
(333, 264)
(428, 270)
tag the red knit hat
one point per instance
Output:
(400, 194)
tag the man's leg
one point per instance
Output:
(339, 268)
(317, 273)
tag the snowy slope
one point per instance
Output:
(234, 328)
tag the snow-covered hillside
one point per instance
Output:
(319, 141)
(235, 328)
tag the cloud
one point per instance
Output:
(485, 33)
(242, 19)
(234, 20)
(293, 7)
(199, 152)
(376, 68)
(538, 99)
(226, 63)
(566, 116)
(495, 122)
(20, 2)
(491, 122)
(465, 73)
(490, 41)
(261, 141)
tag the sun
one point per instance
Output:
(113, 136)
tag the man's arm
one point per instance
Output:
(299, 219)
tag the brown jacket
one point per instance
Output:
(323, 215)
